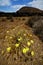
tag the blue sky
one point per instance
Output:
(14, 5)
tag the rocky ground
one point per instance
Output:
(18, 43)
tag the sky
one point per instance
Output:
(14, 5)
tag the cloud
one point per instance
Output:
(37, 4)
(5, 2)
(17, 7)
(15, 0)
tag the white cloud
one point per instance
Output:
(37, 4)
(15, 0)
(17, 7)
(5, 2)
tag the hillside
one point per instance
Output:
(18, 44)
(30, 11)
(21, 37)
(24, 11)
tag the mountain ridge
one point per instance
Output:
(28, 9)
(24, 11)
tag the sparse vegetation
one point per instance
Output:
(23, 19)
(18, 44)
(36, 23)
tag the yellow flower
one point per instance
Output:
(24, 34)
(18, 32)
(2, 52)
(19, 39)
(30, 35)
(31, 41)
(8, 49)
(7, 31)
(11, 37)
(28, 43)
(17, 45)
(32, 53)
(6, 37)
(25, 50)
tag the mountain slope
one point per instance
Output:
(30, 11)
(24, 11)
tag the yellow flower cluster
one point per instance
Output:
(25, 50)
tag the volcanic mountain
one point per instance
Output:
(29, 11)
(24, 11)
